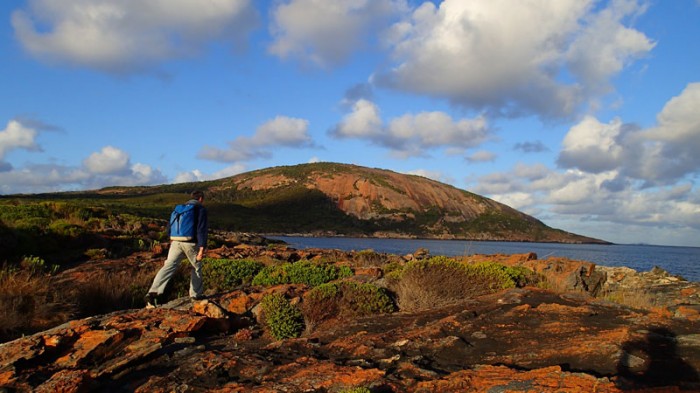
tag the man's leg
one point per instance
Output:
(196, 283)
(175, 254)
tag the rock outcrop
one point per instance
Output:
(574, 338)
(381, 203)
(520, 340)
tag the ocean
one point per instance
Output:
(681, 261)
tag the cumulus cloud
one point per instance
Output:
(434, 175)
(675, 141)
(197, 175)
(128, 35)
(109, 160)
(17, 136)
(327, 33)
(282, 131)
(659, 155)
(586, 203)
(42, 178)
(592, 146)
(509, 57)
(531, 147)
(108, 167)
(363, 122)
(482, 156)
(112, 166)
(605, 46)
(411, 134)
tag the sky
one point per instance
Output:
(582, 113)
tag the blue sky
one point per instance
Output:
(582, 113)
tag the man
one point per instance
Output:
(192, 247)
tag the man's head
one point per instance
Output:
(198, 195)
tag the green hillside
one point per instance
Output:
(321, 199)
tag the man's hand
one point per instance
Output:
(200, 254)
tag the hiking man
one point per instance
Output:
(188, 235)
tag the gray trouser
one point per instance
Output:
(179, 250)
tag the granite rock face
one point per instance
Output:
(519, 340)
(571, 338)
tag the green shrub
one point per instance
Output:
(345, 299)
(356, 390)
(63, 227)
(301, 272)
(227, 274)
(369, 258)
(281, 318)
(517, 276)
(96, 253)
(439, 281)
(37, 265)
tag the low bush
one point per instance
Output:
(636, 299)
(37, 265)
(111, 291)
(345, 299)
(28, 304)
(301, 272)
(227, 274)
(281, 319)
(369, 258)
(63, 227)
(439, 281)
(356, 390)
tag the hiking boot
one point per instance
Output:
(151, 299)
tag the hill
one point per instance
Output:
(341, 199)
(329, 199)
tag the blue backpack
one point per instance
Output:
(182, 222)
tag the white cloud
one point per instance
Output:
(112, 166)
(363, 122)
(531, 147)
(109, 160)
(411, 134)
(516, 200)
(659, 155)
(327, 33)
(41, 178)
(482, 156)
(605, 46)
(435, 175)
(17, 136)
(108, 167)
(197, 175)
(127, 35)
(280, 131)
(581, 203)
(509, 57)
(592, 146)
(283, 131)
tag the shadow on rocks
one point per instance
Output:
(654, 362)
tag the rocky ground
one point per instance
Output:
(529, 339)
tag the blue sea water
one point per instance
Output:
(683, 261)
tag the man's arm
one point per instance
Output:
(202, 232)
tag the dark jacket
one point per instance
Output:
(202, 224)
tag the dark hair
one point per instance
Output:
(197, 194)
